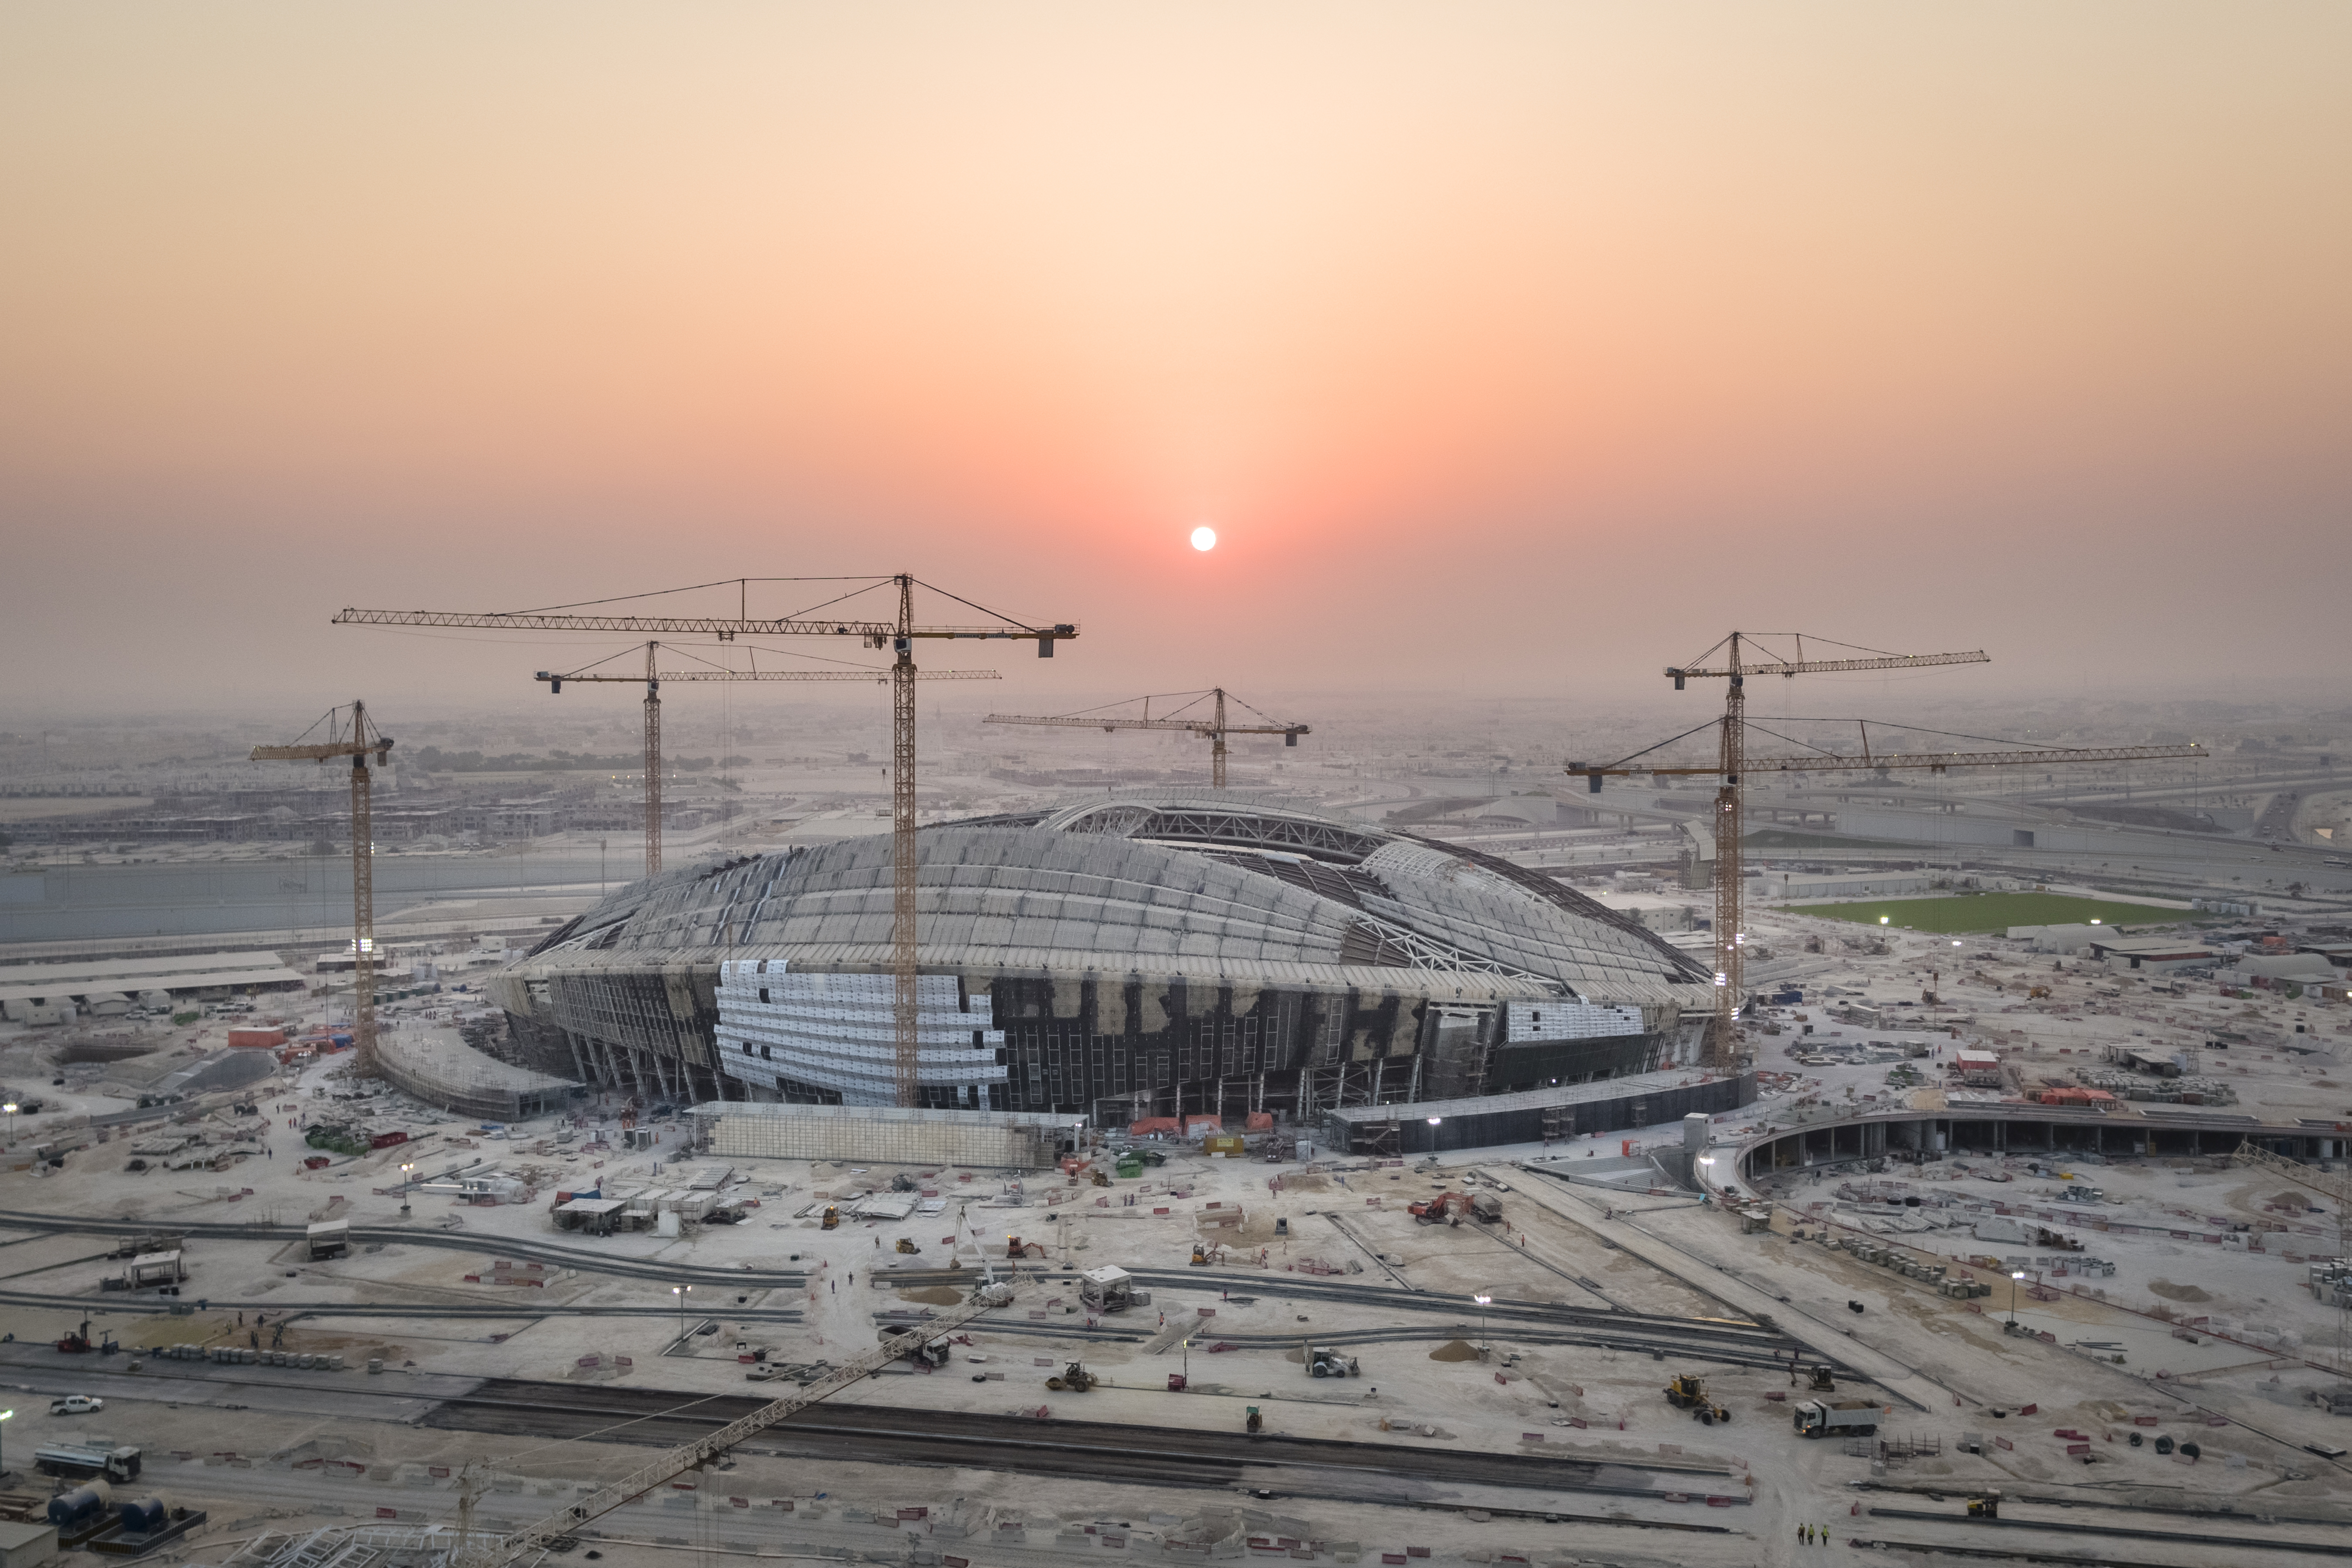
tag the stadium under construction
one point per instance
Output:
(1120, 957)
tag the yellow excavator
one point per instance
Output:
(906, 1243)
(832, 1220)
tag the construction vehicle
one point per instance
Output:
(77, 1463)
(78, 1342)
(1987, 1506)
(1200, 1260)
(1214, 729)
(1485, 1208)
(1445, 1208)
(1250, 1420)
(1689, 1393)
(1328, 1361)
(832, 1220)
(936, 1352)
(1847, 1417)
(1101, 1177)
(1075, 1379)
(907, 1244)
(1822, 1380)
(1013, 1246)
(1108, 1289)
(2037, 993)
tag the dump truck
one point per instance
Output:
(1689, 1393)
(1485, 1208)
(77, 1463)
(1846, 1418)
(931, 1352)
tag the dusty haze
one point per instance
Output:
(1513, 351)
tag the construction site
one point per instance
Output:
(1205, 1173)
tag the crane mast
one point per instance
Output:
(654, 677)
(363, 742)
(1743, 656)
(1214, 727)
(898, 633)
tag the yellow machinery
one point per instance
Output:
(906, 1243)
(1200, 1256)
(1689, 1393)
(1075, 1379)
(832, 1217)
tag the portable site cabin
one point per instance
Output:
(1106, 1289)
(150, 1269)
(330, 1238)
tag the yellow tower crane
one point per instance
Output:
(898, 633)
(359, 741)
(1747, 654)
(1212, 726)
(705, 672)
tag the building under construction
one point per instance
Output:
(1117, 958)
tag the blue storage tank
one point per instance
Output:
(80, 1505)
(145, 1516)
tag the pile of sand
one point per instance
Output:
(1454, 1350)
(2171, 1292)
(936, 1296)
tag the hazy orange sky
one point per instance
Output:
(1519, 348)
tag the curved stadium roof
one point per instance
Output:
(1170, 884)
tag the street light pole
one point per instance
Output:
(681, 1292)
(6, 1415)
(11, 1108)
(2015, 1275)
(1485, 1301)
(406, 1173)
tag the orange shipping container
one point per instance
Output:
(266, 1039)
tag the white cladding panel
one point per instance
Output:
(839, 1032)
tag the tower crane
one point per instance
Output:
(1213, 726)
(1744, 656)
(361, 741)
(898, 633)
(653, 679)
